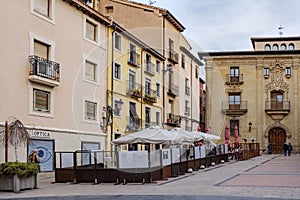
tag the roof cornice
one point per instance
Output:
(89, 11)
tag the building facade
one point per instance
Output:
(162, 31)
(256, 90)
(134, 86)
(53, 78)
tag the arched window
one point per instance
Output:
(267, 47)
(282, 47)
(291, 46)
(275, 47)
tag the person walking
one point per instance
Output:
(269, 148)
(290, 149)
(285, 148)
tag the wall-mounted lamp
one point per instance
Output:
(250, 126)
(169, 69)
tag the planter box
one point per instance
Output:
(15, 183)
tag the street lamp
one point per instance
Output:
(250, 126)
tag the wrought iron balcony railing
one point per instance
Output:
(234, 79)
(150, 96)
(133, 123)
(134, 59)
(173, 56)
(44, 71)
(134, 89)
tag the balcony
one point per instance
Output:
(234, 108)
(134, 59)
(133, 124)
(173, 56)
(149, 68)
(173, 120)
(234, 79)
(150, 96)
(173, 90)
(277, 110)
(134, 90)
(44, 71)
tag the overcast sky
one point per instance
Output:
(226, 25)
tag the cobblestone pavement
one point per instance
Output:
(263, 177)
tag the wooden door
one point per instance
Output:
(277, 137)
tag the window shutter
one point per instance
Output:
(41, 50)
(90, 31)
(91, 110)
(42, 7)
(90, 71)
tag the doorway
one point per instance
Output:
(277, 137)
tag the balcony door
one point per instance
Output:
(234, 101)
(276, 100)
(131, 81)
(234, 74)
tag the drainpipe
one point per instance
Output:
(163, 72)
(110, 108)
(191, 79)
(142, 91)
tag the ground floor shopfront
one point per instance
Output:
(47, 141)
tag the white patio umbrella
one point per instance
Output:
(207, 136)
(152, 135)
(185, 137)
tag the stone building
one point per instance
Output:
(256, 90)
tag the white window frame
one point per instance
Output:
(51, 18)
(32, 87)
(97, 70)
(52, 45)
(118, 49)
(157, 93)
(116, 104)
(117, 78)
(85, 119)
(97, 24)
(157, 121)
(157, 66)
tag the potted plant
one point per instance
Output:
(15, 176)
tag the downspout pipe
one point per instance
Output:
(164, 71)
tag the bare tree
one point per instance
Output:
(14, 133)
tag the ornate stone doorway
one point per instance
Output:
(277, 137)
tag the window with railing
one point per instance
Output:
(134, 57)
(234, 74)
(234, 101)
(44, 68)
(149, 65)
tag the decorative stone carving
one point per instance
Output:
(276, 79)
